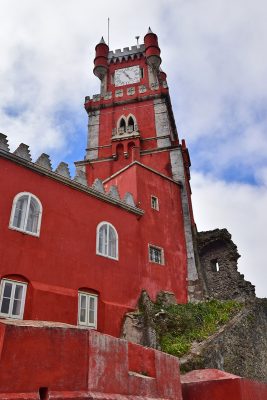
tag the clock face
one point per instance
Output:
(126, 76)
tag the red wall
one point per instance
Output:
(63, 259)
(80, 363)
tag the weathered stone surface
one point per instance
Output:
(162, 121)
(239, 348)
(98, 185)
(128, 198)
(140, 327)
(44, 161)
(80, 176)
(93, 135)
(113, 192)
(63, 169)
(218, 257)
(3, 142)
(23, 151)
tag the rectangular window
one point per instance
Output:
(87, 313)
(155, 203)
(12, 299)
(156, 255)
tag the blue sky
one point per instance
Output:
(214, 54)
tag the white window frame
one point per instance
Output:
(24, 289)
(162, 254)
(88, 296)
(97, 240)
(24, 228)
(157, 202)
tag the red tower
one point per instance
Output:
(131, 121)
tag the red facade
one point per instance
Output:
(89, 241)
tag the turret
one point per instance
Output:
(152, 49)
(101, 59)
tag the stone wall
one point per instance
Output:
(218, 257)
(239, 348)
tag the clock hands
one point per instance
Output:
(128, 76)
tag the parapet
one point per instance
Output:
(126, 53)
(22, 155)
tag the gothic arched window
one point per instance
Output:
(26, 214)
(107, 240)
(122, 126)
(130, 126)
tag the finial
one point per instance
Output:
(102, 41)
(137, 41)
(149, 30)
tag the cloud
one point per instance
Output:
(242, 210)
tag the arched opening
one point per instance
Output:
(130, 127)
(130, 147)
(122, 126)
(119, 151)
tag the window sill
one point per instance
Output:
(13, 228)
(110, 258)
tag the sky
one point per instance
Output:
(214, 54)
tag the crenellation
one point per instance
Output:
(80, 176)
(113, 192)
(4, 142)
(128, 198)
(44, 161)
(23, 151)
(98, 185)
(63, 169)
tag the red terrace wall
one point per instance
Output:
(219, 385)
(79, 363)
(63, 259)
(163, 228)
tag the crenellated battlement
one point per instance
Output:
(126, 53)
(22, 155)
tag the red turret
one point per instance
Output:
(101, 59)
(152, 49)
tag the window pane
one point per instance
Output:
(82, 308)
(20, 212)
(103, 239)
(112, 244)
(16, 307)
(82, 314)
(91, 317)
(33, 215)
(7, 289)
(91, 310)
(5, 306)
(18, 292)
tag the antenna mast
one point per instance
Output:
(108, 31)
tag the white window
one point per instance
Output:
(12, 299)
(26, 214)
(156, 254)
(87, 313)
(107, 240)
(155, 203)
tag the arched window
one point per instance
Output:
(122, 126)
(107, 240)
(12, 298)
(130, 127)
(26, 214)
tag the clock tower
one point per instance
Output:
(131, 122)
